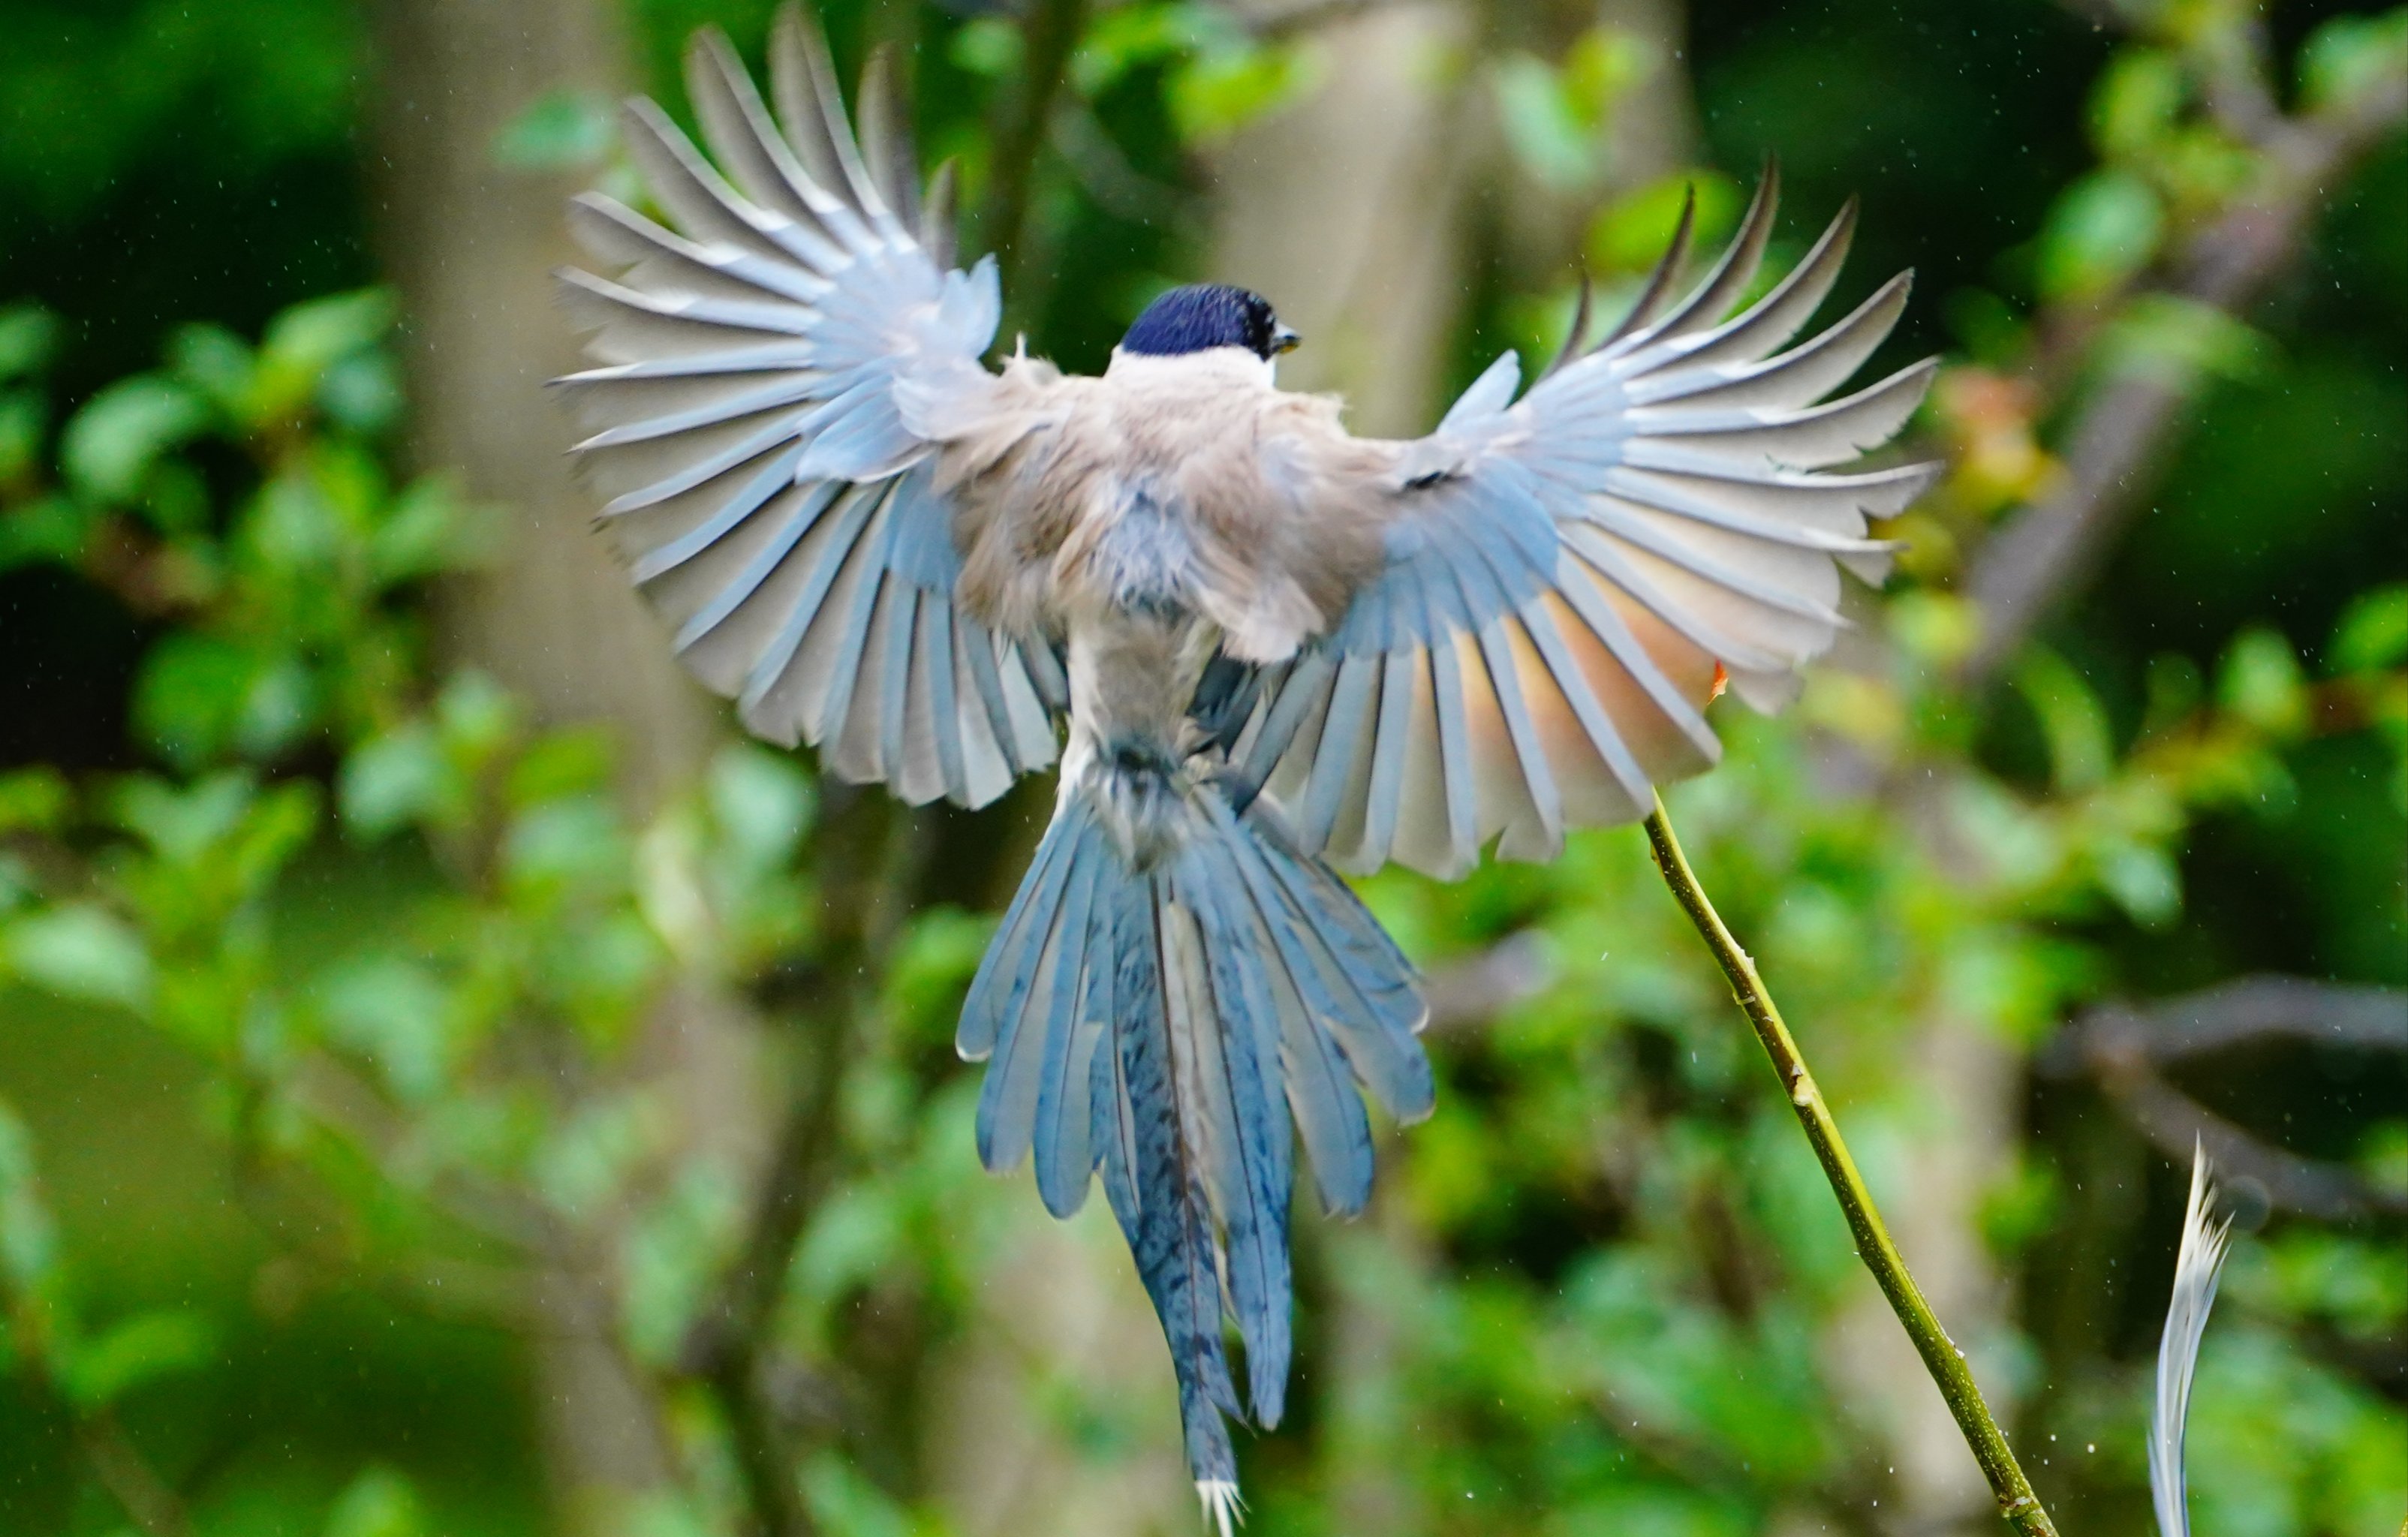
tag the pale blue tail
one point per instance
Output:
(1244, 992)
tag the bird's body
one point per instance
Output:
(1259, 647)
(1155, 518)
(1191, 480)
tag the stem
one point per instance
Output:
(1941, 1357)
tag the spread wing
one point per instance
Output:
(777, 508)
(1564, 574)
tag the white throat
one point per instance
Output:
(1233, 361)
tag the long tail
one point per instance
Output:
(2197, 1266)
(1177, 1023)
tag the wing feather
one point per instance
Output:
(1572, 573)
(747, 430)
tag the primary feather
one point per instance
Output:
(1258, 644)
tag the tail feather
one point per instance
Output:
(1010, 963)
(2197, 1266)
(1249, 1138)
(1177, 1027)
(1065, 1151)
(1321, 1092)
(1356, 982)
(1047, 958)
(1160, 1198)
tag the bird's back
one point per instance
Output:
(1187, 483)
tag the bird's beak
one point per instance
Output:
(1284, 340)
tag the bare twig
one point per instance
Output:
(2175, 1123)
(2236, 67)
(129, 1477)
(149, 1499)
(2121, 1048)
(2251, 1008)
(2045, 550)
(1941, 1357)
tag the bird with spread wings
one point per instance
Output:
(1262, 649)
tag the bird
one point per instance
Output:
(1258, 652)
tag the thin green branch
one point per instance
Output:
(1941, 1357)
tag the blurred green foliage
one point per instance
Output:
(355, 951)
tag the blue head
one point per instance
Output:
(1208, 315)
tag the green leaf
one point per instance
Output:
(1602, 67)
(425, 532)
(2350, 56)
(845, 1504)
(762, 801)
(147, 1347)
(303, 342)
(35, 800)
(380, 1503)
(2138, 102)
(398, 1013)
(24, 415)
(935, 957)
(2182, 341)
(314, 333)
(110, 444)
(185, 824)
(79, 951)
(2143, 879)
(562, 846)
(1221, 91)
(674, 1250)
(989, 46)
(2021, 1206)
(361, 393)
(398, 779)
(193, 694)
(218, 364)
(2260, 681)
(2081, 747)
(29, 335)
(1989, 327)
(49, 528)
(1120, 42)
(2372, 633)
(29, 1238)
(562, 130)
(1549, 136)
(561, 764)
(476, 718)
(2103, 229)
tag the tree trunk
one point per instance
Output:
(1346, 212)
(472, 245)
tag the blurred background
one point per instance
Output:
(450, 1085)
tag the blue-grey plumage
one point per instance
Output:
(1261, 649)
